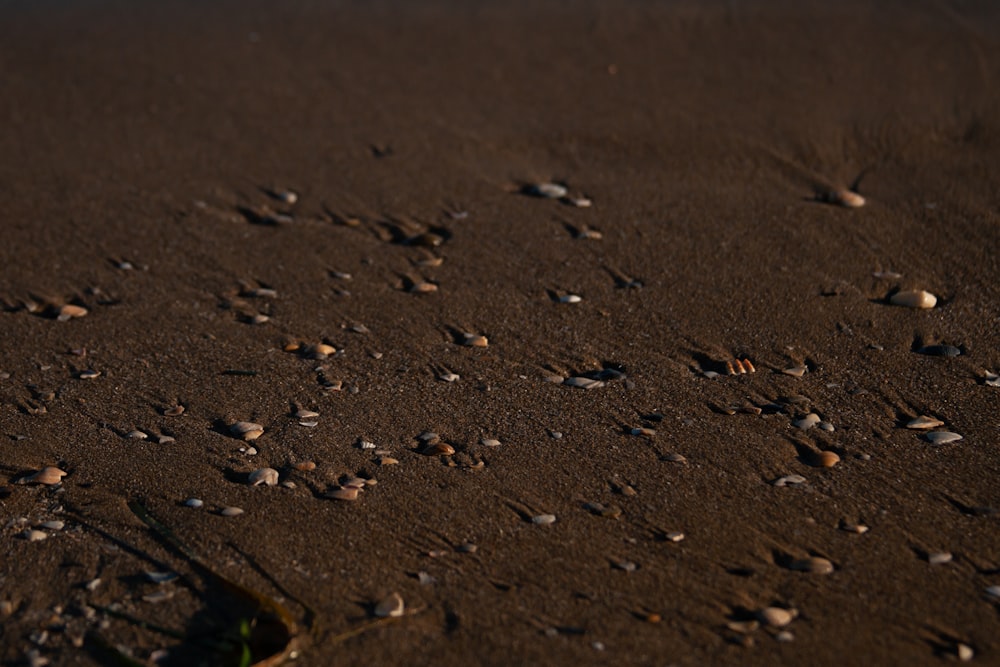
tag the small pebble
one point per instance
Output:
(941, 437)
(924, 422)
(913, 299)
(643, 432)
(856, 528)
(776, 617)
(423, 288)
(625, 565)
(231, 511)
(845, 198)
(547, 190)
(387, 461)
(579, 202)
(93, 584)
(939, 558)
(391, 606)
(194, 502)
(813, 565)
(543, 519)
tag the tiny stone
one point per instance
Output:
(343, 493)
(231, 511)
(626, 565)
(425, 579)
(543, 519)
(194, 502)
(475, 340)
(89, 374)
(449, 377)
(675, 458)
(555, 435)
(92, 584)
(387, 461)
(250, 451)
(467, 548)
(826, 426)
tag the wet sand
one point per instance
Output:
(142, 156)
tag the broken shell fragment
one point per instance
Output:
(263, 476)
(796, 371)
(246, 430)
(49, 475)
(913, 299)
(69, 311)
(391, 606)
(924, 422)
(807, 422)
(438, 449)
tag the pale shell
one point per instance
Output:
(391, 606)
(913, 299)
(924, 422)
(246, 430)
(776, 617)
(69, 311)
(48, 476)
(263, 476)
(941, 437)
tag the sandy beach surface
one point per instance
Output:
(484, 277)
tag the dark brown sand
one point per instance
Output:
(703, 133)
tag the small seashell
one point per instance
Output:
(194, 502)
(579, 202)
(570, 298)
(308, 423)
(675, 458)
(588, 234)
(69, 311)
(625, 565)
(246, 430)
(813, 565)
(827, 459)
(939, 558)
(940, 351)
(391, 606)
(387, 461)
(776, 617)
(160, 577)
(583, 383)
(231, 511)
(784, 636)
(675, 536)
(249, 451)
(846, 198)
(259, 319)
(438, 449)
(262, 293)
(53, 525)
(33, 535)
(93, 584)
(941, 437)
(306, 414)
(286, 196)
(321, 351)
(913, 299)
(924, 422)
(489, 442)
(136, 435)
(475, 340)
(48, 476)
(790, 480)
(423, 288)
(547, 190)
(644, 432)
(992, 379)
(543, 519)
(856, 528)
(993, 591)
(964, 652)
(343, 493)
(175, 411)
(165, 439)
(89, 374)
(449, 377)
(355, 483)
(158, 596)
(807, 422)
(364, 444)
(796, 371)
(743, 627)
(263, 476)
(305, 466)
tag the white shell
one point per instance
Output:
(941, 437)
(265, 476)
(246, 430)
(583, 383)
(913, 299)
(391, 606)
(807, 422)
(776, 617)
(543, 519)
(924, 422)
